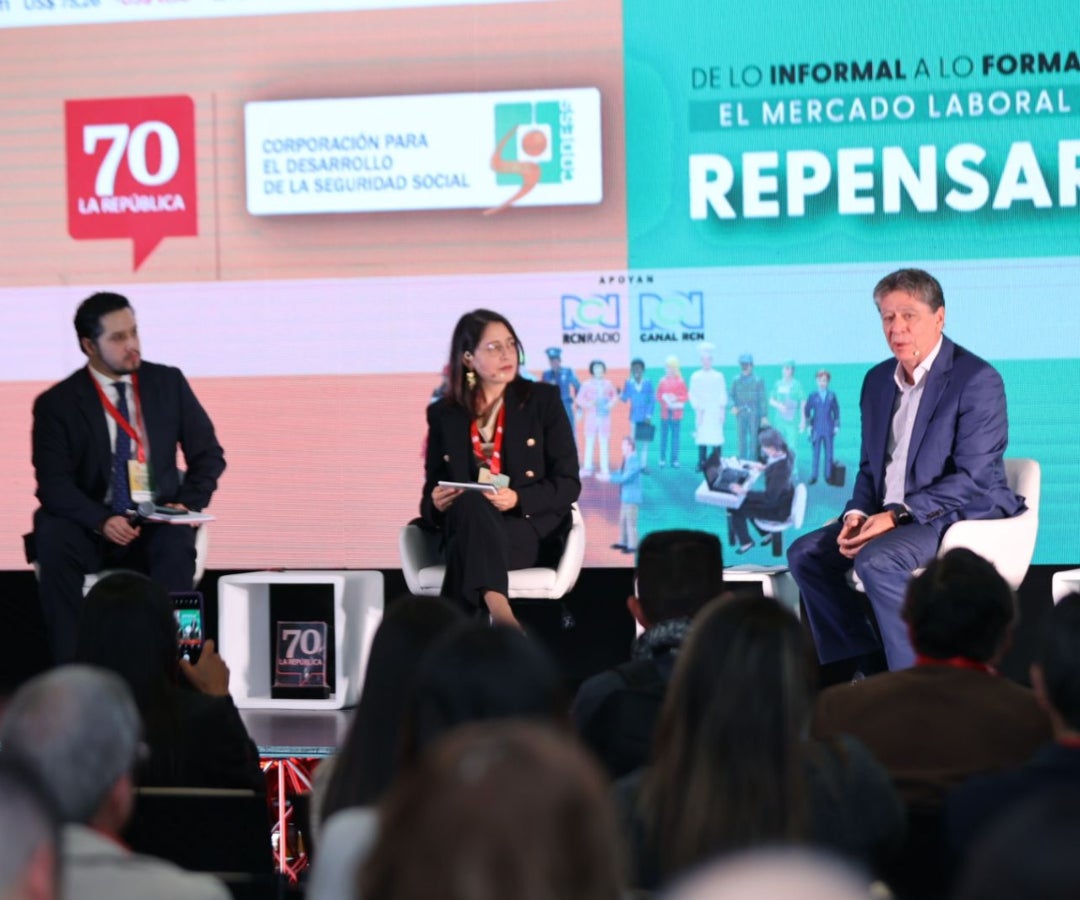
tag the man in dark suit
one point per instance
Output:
(934, 432)
(104, 438)
(821, 414)
(951, 715)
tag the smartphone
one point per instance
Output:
(190, 624)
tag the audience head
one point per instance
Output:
(727, 773)
(127, 625)
(774, 875)
(366, 763)
(678, 572)
(1056, 670)
(29, 850)
(478, 672)
(960, 607)
(1029, 853)
(493, 810)
(78, 729)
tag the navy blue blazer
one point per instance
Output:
(956, 467)
(73, 456)
(538, 453)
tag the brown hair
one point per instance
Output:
(727, 772)
(495, 810)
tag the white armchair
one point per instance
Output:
(1008, 543)
(423, 568)
(794, 520)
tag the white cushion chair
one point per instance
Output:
(1008, 543)
(794, 520)
(202, 547)
(424, 569)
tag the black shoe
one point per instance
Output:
(765, 541)
(745, 548)
(812, 481)
(629, 550)
(618, 546)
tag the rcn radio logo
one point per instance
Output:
(673, 316)
(591, 319)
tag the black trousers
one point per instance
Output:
(481, 546)
(67, 552)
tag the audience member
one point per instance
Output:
(196, 737)
(951, 715)
(365, 764)
(77, 728)
(474, 672)
(1030, 853)
(732, 768)
(30, 848)
(1055, 675)
(615, 712)
(776, 874)
(496, 810)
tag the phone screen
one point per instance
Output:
(188, 611)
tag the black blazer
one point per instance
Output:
(538, 453)
(774, 502)
(73, 456)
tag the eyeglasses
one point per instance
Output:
(497, 348)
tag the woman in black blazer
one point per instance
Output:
(775, 501)
(493, 426)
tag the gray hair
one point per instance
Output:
(77, 728)
(918, 283)
(776, 873)
(27, 822)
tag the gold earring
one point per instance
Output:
(470, 379)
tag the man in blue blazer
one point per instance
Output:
(84, 486)
(934, 432)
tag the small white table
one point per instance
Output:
(245, 639)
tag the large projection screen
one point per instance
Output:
(300, 199)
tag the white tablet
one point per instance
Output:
(469, 486)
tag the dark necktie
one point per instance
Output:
(121, 488)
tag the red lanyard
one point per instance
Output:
(954, 662)
(121, 422)
(495, 462)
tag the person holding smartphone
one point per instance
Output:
(195, 735)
